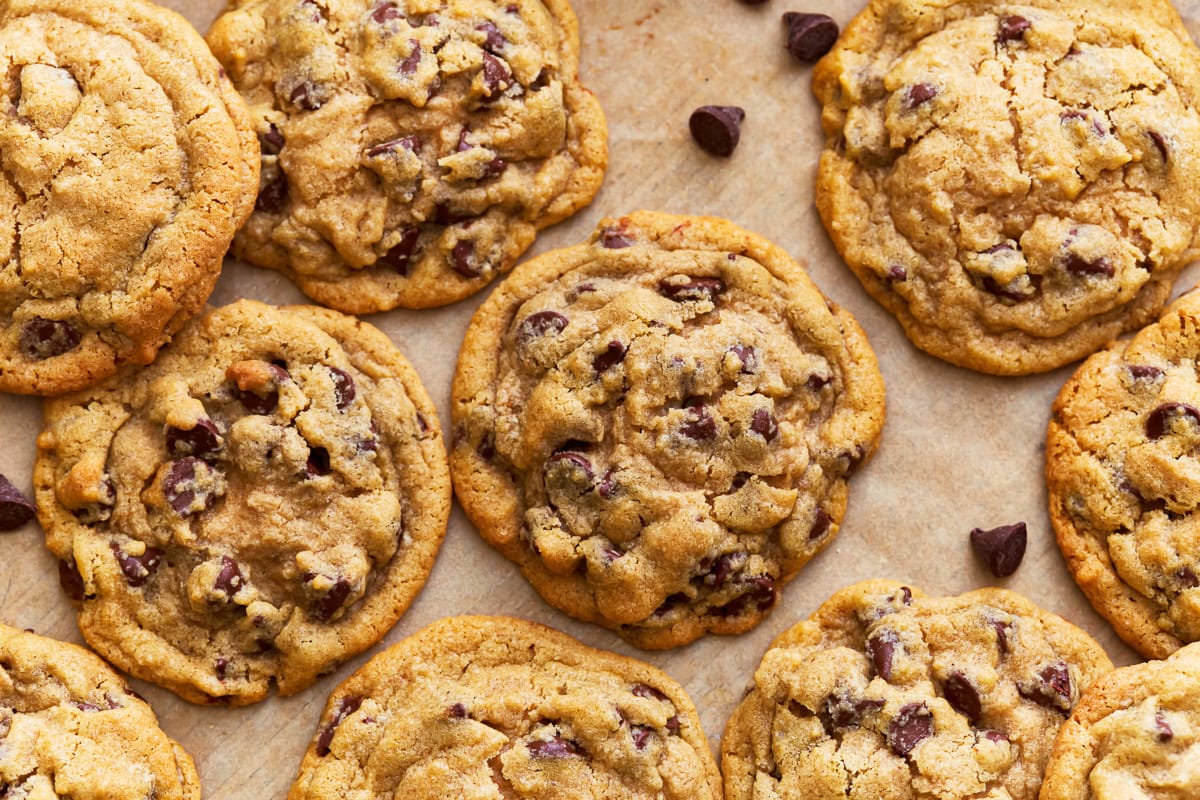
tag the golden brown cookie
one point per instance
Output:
(259, 505)
(411, 148)
(887, 693)
(658, 426)
(1014, 181)
(495, 707)
(127, 162)
(1124, 481)
(71, 727)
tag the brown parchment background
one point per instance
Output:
(959, 450)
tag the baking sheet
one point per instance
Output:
(959, 450)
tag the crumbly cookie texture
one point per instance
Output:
(494, 707)
(127, 163)
(1135, 735)
(1124, 482)
(71, 727)
(411, 148)
(260, 504)
(658, 426)
(1014, 181)
(885, 692)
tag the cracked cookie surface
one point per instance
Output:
(495, 707)
(1014, 181)
(1135, 735)
(658, 426)
(71, 727)
(127, 163)
(411, 148)
(1123, 477)
(260, 504)
(885, 692)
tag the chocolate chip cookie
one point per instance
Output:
(411, 149)
(70, 727)
(127, 162)
(658, 426)
(885, 692)
(1124, 481)
(1134, 734)
(494, 707)
(260, 504)
(1014, 181)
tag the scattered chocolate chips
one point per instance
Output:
(809, 36)
(1050, 687)
(682, 289)
(558, 747)
(318, 463)
(541, 323)
(343, 388)
(911, 726)
(919, 94)
(1001, 548)
(613, 354)
(962, 696)
(181, 489)
(401, 253)
(15, 509)
(201, 441)
(717, 129)
(70, 580)
(882, 650)
(137, 569)
(345, 707)
(1160, 418)
(764, 424)
(43, 338)
(699, 424)
(1012, 29)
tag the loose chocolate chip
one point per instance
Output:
(343, 388)
(1162, 728)
(809, 36)
(897, 274)
(271, 141)
(457, 711)
(615, 239)
(409, 65)
(1160, 419)
(820, 526)
(331, 601)
(15, 510)
(401, 253)
(229, 579)
(43, 338)
(220, 666)
(318, 463)
(717, 129)
(541, 323)
(1012, 29)
(180, 488)
(557, 747)
(70, 580)
(495, 75)
(464, 260)
(613, 354)
(306, 97)
(842, 711)
(912, 725)
(919, 94)
(699, 424)
(882, 650)
(1144, 373)
(137, 569)
(345, 707)
(202, 440)
(693, 290)
(1160, 142)
(571, 460)
(1077, 265)
(962, 696)
(273, 193)
(495, 39)
(1050, 687)
(764, 424)
(1000, 548)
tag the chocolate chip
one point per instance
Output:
(229, 579)
(760, 591)
(496, 76)
(613, 354)
(202, 440)
(615, 239)
(43, 338)
(457, 711)
(267, 402)
(137, 569)
(541, 323)
(919, 94)
(343, 388)
(809, 36)
(272, 193)
(897, 274)
(717, 129)
(698, 424)
(648, 691)
(495, 168)
(1078, 265)
(571, 460)
(557, 747)
(1162, 728)
(331, 601)
(464, 260)
(15, 510)
(962, 696)
(882, 650)
(1050, 687)
(1015, 293)
(641, 735)
(1187, 578)
(345, 707)
(724, 566)
(608, 486)
(386, 12)
(820, 526)
(748, 356)
(220, 666)
(842, 711)
(1012, 29)
(409, 65)
(401, 253)
(410, 143)
(1141, 372)
(684, 290)
(444, 215)
(1160, 143)
(271, 141)
(318, 463)
(670, 603)
(1004, 632)
(70, 580)
(764, 424)
(181, 489)
(1000, 548)
(994, 736)
(911, 726)
(1160, 419)
(495, 39)
(306, 97)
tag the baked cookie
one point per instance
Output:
(1014, 181)
(658, 426)
(128, 162)
(70, 727)
(260, 504)
(1124, 481)
(495, 707)
(411, 149)
(1134, 734)
(885, 692)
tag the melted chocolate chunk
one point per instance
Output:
(693, 290)
(699, 424)
(229, 579)
(613, 354)
(842, 711)
(541, 323)
(318, 463)
(272, 193)
(821, 523)
(181, 489)
(410, 64)
(463, 256)
(345, 707)
(615, 239)
(1012, 29)
(43, 338)
(330, 602)
(913, 725)
(201, 441)
(1141, 372)
(558, 747)
(1162, 729)
(1050, 687)
(399, 257)
(919, 94)
(343, 388)
(882, 650)
(271, 141)
(70, 580)
(1160, 419)
(764, 424)
(137, 569)
(962, 696)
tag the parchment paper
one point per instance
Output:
(959, 449)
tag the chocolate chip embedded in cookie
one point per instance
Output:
(1014, 181)
(260, 504)
(502, 708)
(128, 164)
(1135, 733)
(902, 695)
(411, 148)
(1124, 481)
(658, 426)
(71, 727)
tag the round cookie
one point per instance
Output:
(129, 162)
(1124, 481)
(411, 148)
(493, 707)
(1014, 181)
(658, 426)
(71, 727)
(260, 504)
(885, 692)
(1134, 734)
